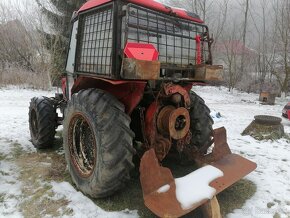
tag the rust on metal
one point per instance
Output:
(171, 89)
(179, 123)
(234, 168)
(173, 122)
(163, 124)
(181, 143)
(162, 146)
(163, 119)
(81, 142)
(209, 72)
(140, 69)
(153, 177)
(220, 149)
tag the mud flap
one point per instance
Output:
(165, 204)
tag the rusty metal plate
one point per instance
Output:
(165, 204)
(209, 72)
(234, 168)
(140, 69)
(152, 177)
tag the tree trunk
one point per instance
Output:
(244, 36)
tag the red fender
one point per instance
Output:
(129, 93)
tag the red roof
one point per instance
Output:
(234, 46)
(151, 4)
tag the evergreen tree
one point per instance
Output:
(58, 41)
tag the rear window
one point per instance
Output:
(173, 37)
(94, 50)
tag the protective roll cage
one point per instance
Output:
(104, 31)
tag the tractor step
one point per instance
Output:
(162, 194)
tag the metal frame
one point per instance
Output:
(151, 26)
(95, 42)
(91, 58)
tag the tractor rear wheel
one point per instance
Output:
(42, 122)
(98, 142)
(200, 123)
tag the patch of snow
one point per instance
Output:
(194, 187)
(14, 117)
(83, 206)
(163, 189)
(10, 190)
(215, 115)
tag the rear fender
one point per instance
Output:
(128, 92)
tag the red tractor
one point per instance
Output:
(127, 91)
(286, 111)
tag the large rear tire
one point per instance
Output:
(42, 122)
(98, 142)
(200, 123)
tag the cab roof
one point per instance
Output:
(151, 4)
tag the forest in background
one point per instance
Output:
(251, 40)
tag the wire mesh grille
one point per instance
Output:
(94, 54)
(174, 38)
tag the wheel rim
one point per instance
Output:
(82, 145)
(34, 124)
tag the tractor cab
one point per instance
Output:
(124, 39)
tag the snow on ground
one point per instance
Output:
(82, 206)
(14, 132)
(272, 175)
(14, 116)
(13, 129)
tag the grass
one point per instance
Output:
(36, 189)
(235, 196)
(17, 150)
(37, 170)
(130, 197)
(2, 198)
(2, 173)
(2, 156)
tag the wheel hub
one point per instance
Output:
(82, 145)
(173, 122)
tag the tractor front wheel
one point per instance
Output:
(97, 142)
(42, 122)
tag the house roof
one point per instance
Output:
(234, 46)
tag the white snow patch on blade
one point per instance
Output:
(194, 187)
(163, 189)
(83, 206)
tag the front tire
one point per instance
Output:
(42, 122)
(98, 142)
(200, 123)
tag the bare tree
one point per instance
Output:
(200, 7)
(230, 52)
(22, 52)
(245, 25)
(281, 68)
(213, 12)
